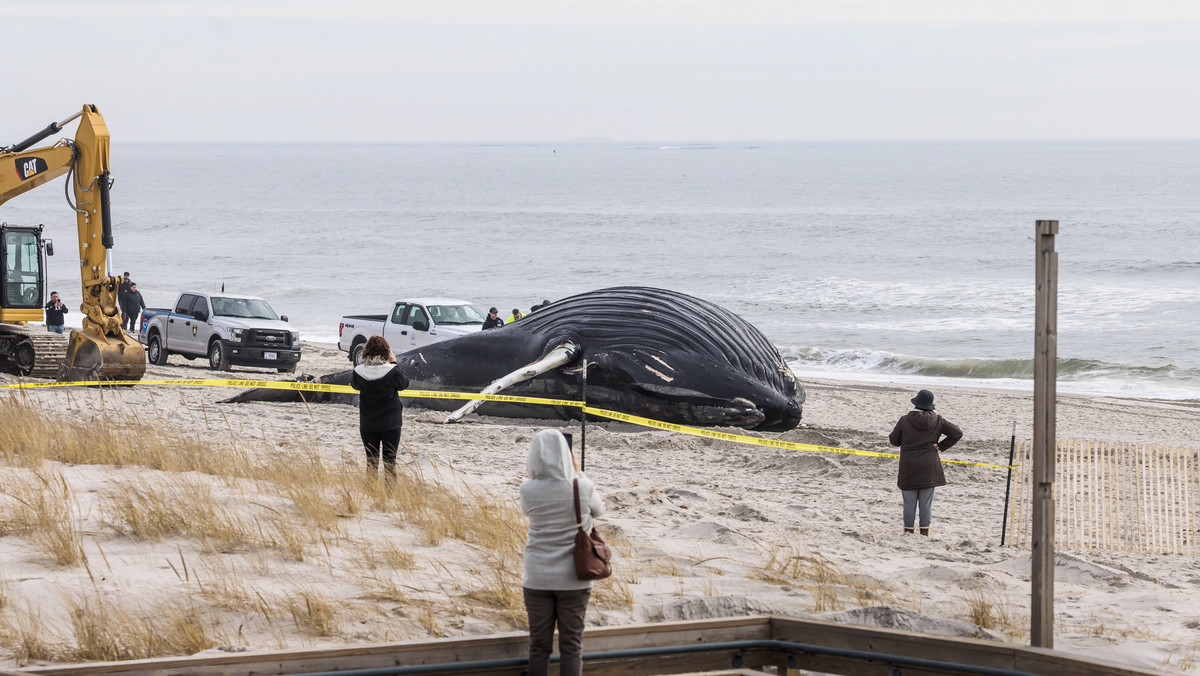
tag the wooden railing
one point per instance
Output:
(852, 644)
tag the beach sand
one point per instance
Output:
(697, 522)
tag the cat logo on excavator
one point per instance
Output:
(29, 167)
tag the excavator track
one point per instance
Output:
(49, 350)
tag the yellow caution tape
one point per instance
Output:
(757, 441)
(438, 394)
(302, 387)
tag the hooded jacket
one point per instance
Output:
(54, 316)
(547, 498)
(379, 409)
(131, 302)
(920, 464)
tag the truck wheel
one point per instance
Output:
(155, 354)
(356, 353)
(218, 356)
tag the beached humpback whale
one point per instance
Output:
(648, 352)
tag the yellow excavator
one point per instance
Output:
(101, 350)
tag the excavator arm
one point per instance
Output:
(101, 350)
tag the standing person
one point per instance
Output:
(553, 594)
(921, 435)
(515, 316)
(55, 310)
(122, 289)
(380, 413)
(493, 320)
(131, 306)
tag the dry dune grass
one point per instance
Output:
(830, 586)
(25, 636)
(43, 508)
(104, 630)
(312, 610)
(236, 518)
(991, 611)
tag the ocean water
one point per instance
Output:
(906, 262)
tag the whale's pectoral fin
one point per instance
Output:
(673, 393)
(556, 357)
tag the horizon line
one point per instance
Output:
(603, 140)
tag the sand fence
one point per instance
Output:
(1113, 496)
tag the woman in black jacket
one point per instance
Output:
(380, 413)
(922, 435)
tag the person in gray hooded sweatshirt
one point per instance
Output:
(921, 435)
(553, 594)
(380, 413)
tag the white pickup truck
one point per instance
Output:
(411, 324)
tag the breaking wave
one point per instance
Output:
(1081, 375)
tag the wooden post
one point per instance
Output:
(1045, 375)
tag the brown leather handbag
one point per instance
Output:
(592, 554)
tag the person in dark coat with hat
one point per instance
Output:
(921, 435)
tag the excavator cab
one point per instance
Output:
(26, 350)
(24, 261)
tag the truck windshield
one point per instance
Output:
(456, 314)
(246, 308)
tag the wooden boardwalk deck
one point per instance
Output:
(512, 647)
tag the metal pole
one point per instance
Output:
(1012, 449)
(1045, 374)
(583, 421)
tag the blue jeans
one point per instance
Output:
(56, 328)
(922, 497)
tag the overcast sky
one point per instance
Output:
(524, 70)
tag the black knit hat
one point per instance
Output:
(923, 400)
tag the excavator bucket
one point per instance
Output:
(92, 357)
